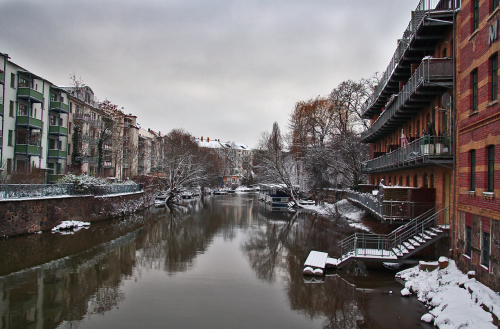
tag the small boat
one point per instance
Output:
(186, 195)
(161, 199)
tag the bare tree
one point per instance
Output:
(274, 163)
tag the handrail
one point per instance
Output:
(422, 148)
(429, 69)
(381, 245)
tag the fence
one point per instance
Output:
(381, 245)
(422, 149)
(390, 210)
(18, 191)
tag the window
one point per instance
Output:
(474, 78)
(472, 186)
(426, 181)
(11, 109)
(23, 110)
(494, 5)
(10, 138)
(415, 181)
(486, 250)
(491, 168)
(69, 149)
(494, 77)
(53, 97)
(13, 80)
(475, 15)
(408, 180)
(23, 82)
(70, 107)
(9, 166)
(468, 240)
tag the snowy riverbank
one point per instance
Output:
(352, 213)
(454, 299)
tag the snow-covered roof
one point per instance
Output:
(213, 144)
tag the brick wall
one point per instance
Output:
(33, 215)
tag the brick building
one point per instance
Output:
(477, 192)
(409, 111)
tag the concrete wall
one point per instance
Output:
(33, 215)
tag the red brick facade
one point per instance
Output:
(477, 206)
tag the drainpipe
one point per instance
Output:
(454, 130)
(5, 59)
(41, 134)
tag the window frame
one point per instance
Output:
(485, 249)
(494, 77)
(475, 90)
(468, 241)
(475, 15)
(490, 153)
(472, 171)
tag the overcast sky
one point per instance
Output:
(217, 68)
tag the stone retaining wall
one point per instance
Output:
(41, 214)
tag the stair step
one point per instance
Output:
(397, 252)
(413, 242)
(403, 249)
(430, 233)
(436, 230)
(408, 246)
(424, 236)
(418, 239)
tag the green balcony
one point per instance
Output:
(31, 94)
(1, 141)
(59, 107)
(30, 122)
(1, 109)
(58, 154)
(58, 130)
(32, 150)
(2, 77)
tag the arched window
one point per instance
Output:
(426, 180)
(415, 180)
(432, 181)
(408, 180)
(401, 180)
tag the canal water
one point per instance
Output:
(219, 262)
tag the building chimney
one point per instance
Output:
(202, 138)
(208, 139)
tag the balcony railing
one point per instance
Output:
(96, 123)
(29, 122)
(59, 107)
(430, 71)
(90, 160)
(427, 149)
(389, 210)
(29, 149)
(81, 116)
(107, 164)
(60, 154)
(422, 9)
(28, 93)
(58, 130)
(18, 191)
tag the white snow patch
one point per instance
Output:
(405, 292)
(427, 317)
(70, 226)
(454, 300)
(345, 208)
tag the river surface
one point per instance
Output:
(219, 262)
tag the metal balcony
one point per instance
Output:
(28, 122)
(431, 78)
(425, 151)
(29, 94)
(58, 130)
(57, 154)
(24, 149)
(78, 116)
(59, 107)
(90, 160)
(430, 21)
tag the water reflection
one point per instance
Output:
(50, 280)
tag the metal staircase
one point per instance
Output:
(397, 246)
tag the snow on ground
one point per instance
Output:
(454, 300)
(70, 227)
(345, 208)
